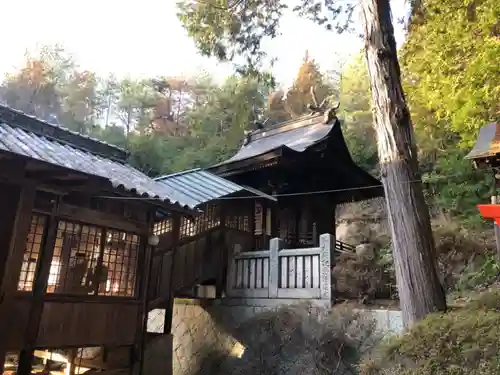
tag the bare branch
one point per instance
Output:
(313, 94)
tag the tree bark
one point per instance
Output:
(420, 291)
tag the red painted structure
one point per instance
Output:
(490, 211)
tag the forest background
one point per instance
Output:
(449, 63)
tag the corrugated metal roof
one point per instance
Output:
(488, 142)
(16, 139)
(297, 135)
(198, 186)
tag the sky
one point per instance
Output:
(144, 38)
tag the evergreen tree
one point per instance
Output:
(451, 65)
(228, 30)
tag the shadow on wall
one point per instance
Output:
(298, 339)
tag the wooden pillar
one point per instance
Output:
(144, 293)
(72, 356)
(176, 225)
(221, 247)
(36, 309)
(17, 204)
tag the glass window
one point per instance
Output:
(119, 264)
(31, 253)
(75, 259)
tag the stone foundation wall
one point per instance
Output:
(205, 332)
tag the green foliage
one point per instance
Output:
(217, 126)
(450, 61)
(473, 277)
(356, 110)
(456, 188)
(235, 30)
(460, 342)
(232, 31)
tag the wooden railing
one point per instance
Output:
(345, 248)
(282, 273)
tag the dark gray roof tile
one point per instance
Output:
(15, 138)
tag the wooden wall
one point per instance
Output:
(87, 323)
(76, 324)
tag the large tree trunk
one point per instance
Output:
(420, 291)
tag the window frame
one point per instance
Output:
(45, 246)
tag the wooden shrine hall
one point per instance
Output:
(298, 172)
(81, 264)
(305, 163)
(91, 245)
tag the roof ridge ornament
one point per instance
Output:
(329, 113)
(248, 137)
(261, 124)
(258, 125)
(314, 106)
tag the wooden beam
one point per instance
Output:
(12, 169)
(102, 219)
(44, 172)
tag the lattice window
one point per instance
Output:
(90, 260)
(188, 227)
(211, 217)
(240, 222)
(232, 222)
(191, 226)
(75, 258)
(162, 227)
(244, 223)
(119, 264)
(31, 253)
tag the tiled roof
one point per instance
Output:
(297, 135)
(27, 136)
(197, 186)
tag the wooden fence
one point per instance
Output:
(282, 273)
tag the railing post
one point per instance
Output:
(231, 269)
(326, 246)
(274, 267)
